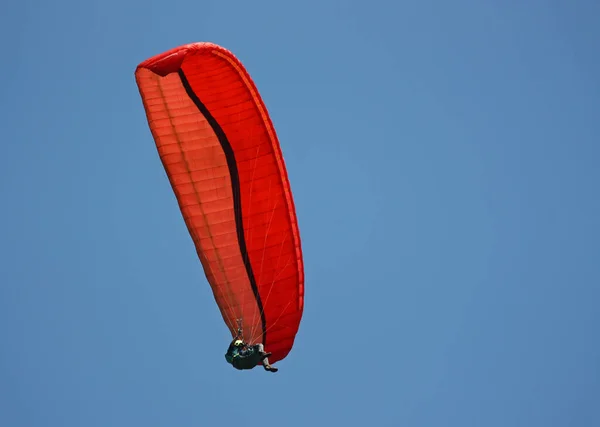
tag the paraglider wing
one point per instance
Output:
(222, 157)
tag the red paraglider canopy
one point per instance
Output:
(223, 160)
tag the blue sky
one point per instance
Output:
(444, 162)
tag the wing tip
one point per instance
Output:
(170, 61)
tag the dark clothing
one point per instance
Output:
(245, 357)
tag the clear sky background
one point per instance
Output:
(444, 162)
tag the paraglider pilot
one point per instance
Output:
(243, 356)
